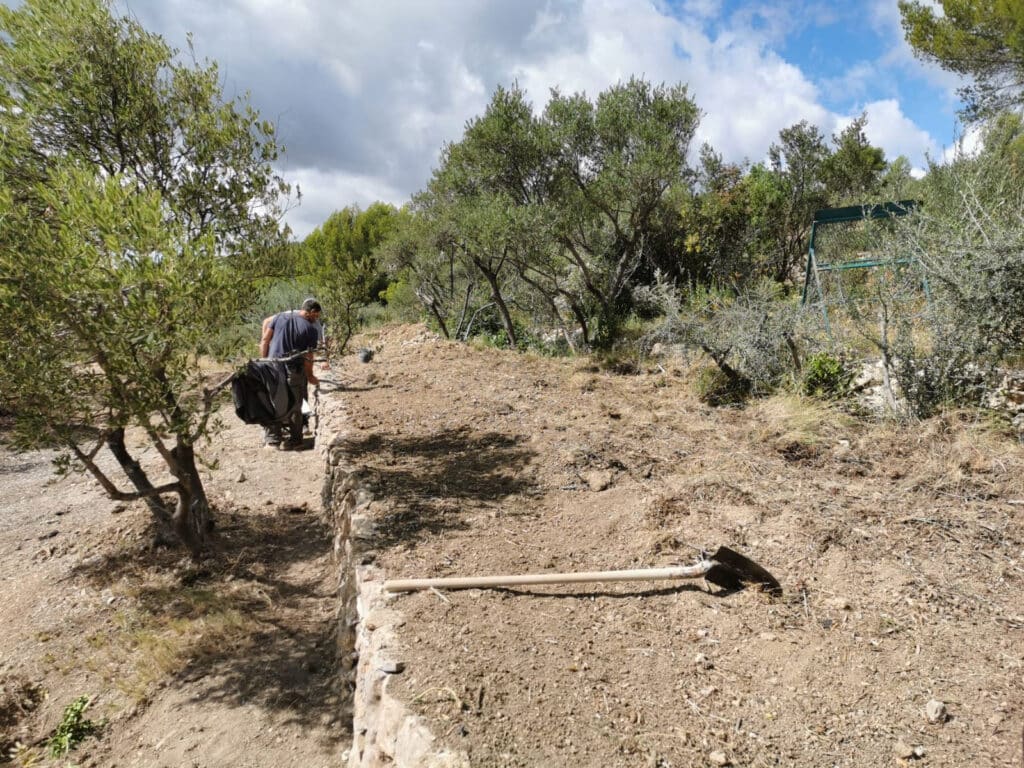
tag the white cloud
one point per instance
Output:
(896, 133)
(701, 9)
(324, 192)
(365, 92)
(855, 83)
(884, 16)
(617, 39)
(966, 145)
(748, 94)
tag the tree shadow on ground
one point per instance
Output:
(431, 482)
(259, 612)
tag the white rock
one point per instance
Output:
(719, 758)
(936, 711)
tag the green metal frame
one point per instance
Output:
(846, 214)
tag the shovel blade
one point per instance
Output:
(731, 570)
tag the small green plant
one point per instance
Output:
(74, 728)
(824, 376)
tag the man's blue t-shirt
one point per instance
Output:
(292, 333)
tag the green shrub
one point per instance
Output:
(750, 335)
(931, 382)
(402, 304)
(824, 376)
(619, 360)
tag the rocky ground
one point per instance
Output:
(899, 638)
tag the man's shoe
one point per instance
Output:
(291, 445)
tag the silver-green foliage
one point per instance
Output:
(751, 335)
(968, 240)
(132, 199)
(553, 215)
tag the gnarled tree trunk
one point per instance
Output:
(193, 519)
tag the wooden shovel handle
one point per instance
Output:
(483, 582)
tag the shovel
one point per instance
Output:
(725, 568)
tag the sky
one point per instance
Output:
(365, 93)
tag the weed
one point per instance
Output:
(619, 361)
(171, 627)
(824, 376)
(795, 419)
(18, 698)
(74, 728)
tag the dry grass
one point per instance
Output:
(169, 616)
(162, 629)
(796, 419)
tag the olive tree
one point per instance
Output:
(479, 201)
(616, 160)
(135, 198)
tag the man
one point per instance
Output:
(292, 335)
(264, 348)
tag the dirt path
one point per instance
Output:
(228, 663)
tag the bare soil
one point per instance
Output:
(900, 550)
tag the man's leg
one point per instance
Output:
(272, 435)
(297, 384)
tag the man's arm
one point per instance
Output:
(307, 363)
(268, 334)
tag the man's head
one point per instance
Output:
(310, 309)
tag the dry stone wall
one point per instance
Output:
(384, 731)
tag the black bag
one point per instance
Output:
(261, 393)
